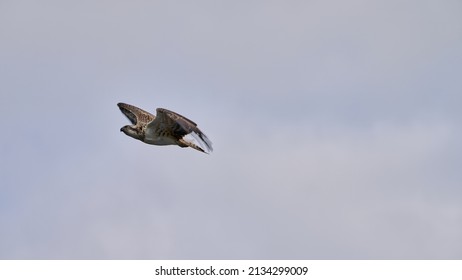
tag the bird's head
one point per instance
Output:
(132, 132)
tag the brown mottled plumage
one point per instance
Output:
(167, 128)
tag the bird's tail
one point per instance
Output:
(184, 144)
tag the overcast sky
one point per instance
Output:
(336, 128)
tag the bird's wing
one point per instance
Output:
(179, 126)
(135, 114)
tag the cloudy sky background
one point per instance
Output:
(336, 128)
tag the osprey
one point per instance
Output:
(167, 128)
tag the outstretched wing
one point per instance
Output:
(136, 115)
(179, 126)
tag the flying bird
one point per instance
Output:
(166, 128)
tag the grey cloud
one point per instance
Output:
(335, 126)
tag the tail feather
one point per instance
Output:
(184, 144)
